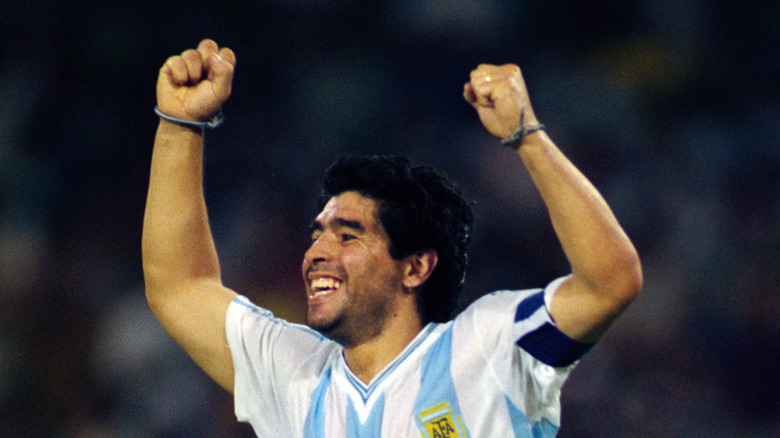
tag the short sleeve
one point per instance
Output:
(511, 334)
(536, 332)
(266, 352)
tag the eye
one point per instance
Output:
(345, 237)
(315, 235)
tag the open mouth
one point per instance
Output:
(323, 286)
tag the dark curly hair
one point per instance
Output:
(420, 208)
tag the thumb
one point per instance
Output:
(221, 67)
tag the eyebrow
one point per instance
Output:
(338, 222)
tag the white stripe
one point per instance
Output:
(365, 397)
(533, 322)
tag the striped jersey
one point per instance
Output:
(496, 370)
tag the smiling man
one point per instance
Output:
(381, 353)
(350, 276)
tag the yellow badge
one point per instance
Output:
(439, 422)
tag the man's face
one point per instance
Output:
(351, 280)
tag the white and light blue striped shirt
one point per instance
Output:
(496, 370)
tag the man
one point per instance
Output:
(380, 355)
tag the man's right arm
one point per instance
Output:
(181, 269)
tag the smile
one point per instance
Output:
(323, 286)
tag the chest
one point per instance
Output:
(421, 394)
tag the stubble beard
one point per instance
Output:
(356, 324)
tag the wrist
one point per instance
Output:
(174, 137)
(526, 128)
(519, 137)
(536, 148)
(167, 127)
(212, 122)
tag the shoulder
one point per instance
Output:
(246, 315)
(275, 361)
(501, 306)
(521, 318)
(256, 333)
(486, 326)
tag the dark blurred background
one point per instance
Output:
(671, 108)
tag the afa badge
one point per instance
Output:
(440, 422)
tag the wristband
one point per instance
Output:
(211, 123)
(515, 139)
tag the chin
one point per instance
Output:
(323, 326)
(333, 330)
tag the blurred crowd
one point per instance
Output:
(670, 107)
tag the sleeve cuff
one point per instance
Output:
(537, 333)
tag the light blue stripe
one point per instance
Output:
(437, 386)
(314, 427)
(365, 392)
(372, 428)
(523, 428)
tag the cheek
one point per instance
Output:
(362, 261)
(372, 271)
(305, 265)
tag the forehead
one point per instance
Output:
(350, 206)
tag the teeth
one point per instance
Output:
(321, 286)
(318, 293)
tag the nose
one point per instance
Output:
(320, 250)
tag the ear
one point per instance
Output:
(419, 267)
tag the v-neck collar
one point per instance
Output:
(365, 390)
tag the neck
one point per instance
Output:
(367, 359)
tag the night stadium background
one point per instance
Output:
(670, 107)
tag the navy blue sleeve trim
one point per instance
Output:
(528, 306)
(552, 347)
(546, 342)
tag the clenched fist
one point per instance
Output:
(195, 84)
(499, 95)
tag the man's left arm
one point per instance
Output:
(606, 271)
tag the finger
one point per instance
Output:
(485, 73)
(221, 73)
(194, 65)
(227, 55)
(483, 82)
(482, 90)
(469, 94)
(176, 68)
(482, 78)
(207, 47)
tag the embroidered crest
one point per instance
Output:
(440, 422)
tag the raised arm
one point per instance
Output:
(606, 272)
(181, 270)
